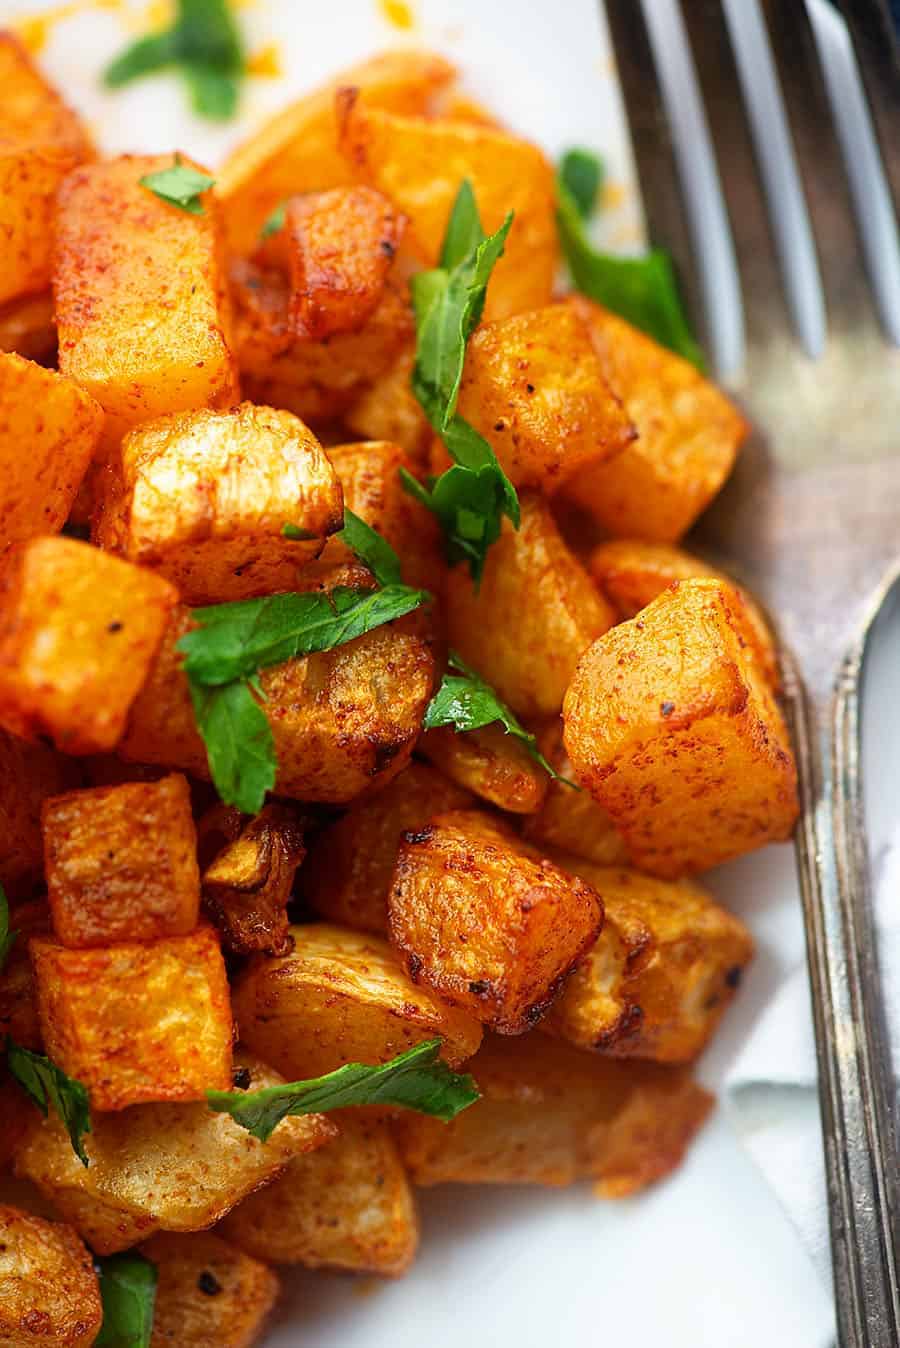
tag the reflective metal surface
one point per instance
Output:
(811, 518)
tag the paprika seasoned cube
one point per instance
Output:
(341, 996)
(550, 1115)
(248, 882)
(534, 615)
(137, 1022)
(49, 429)
(671, 726)
(28, 774)
(420, 164)
(346, 1206)
(207, 1292)
(688, 435)
(203, 498)
(162, 1166)
(664, 970)
(41, 140)
(571, 820)
(389, 410)
(347, 876)
(297, 150)
(487, 922)
(490, 763)
(632, 572)
(534, 387)
(121, 863)
(340, 246)
(78, 633)
(49, 1294)
(341, 719)
(141, 300)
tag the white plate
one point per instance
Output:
(707, 1259)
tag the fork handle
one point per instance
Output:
(851, 1040)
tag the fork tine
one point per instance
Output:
(649, 125)
(878, 50)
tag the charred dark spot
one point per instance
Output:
(529, 388)
(415, 838)
(114, 627)
(208, 1284)
(734, 976)
(240, 1078)
(500, 425)
(387, 247)
(480, 987)
(414, 966)
(667, 708)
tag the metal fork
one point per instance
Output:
(773, 176)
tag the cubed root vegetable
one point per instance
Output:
(571, 820)
(49, 1295)
(671, 725)
(490, 763)
(487, 922)
(207, 1292)
(551, 1115)
(29, 773)
(248, 882)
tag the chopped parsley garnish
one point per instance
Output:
(274, 222)
(46, 1084)
(180, 185)
(128, 1292)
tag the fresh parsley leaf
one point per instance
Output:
(7, 937)
(371, 548)
(472, 496)
(128, 1292)
(275, 221)
(581, 172)
(240, 748)
(294, 532)
(235, 641)
(46, 1084)
(468, 703)
(204, 44)
(642, 290)
(415, 1080)
(180, 185)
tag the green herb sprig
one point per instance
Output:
(203, 44)
(232, 643)
(46, 1084)
(642, 290)
(128, 1292)
(417, 1080)
(7, 937)
(465, 702)
(472, 496)
(179, 185)
(274, 222)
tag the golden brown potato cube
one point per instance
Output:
(550, 1115)
(49, 428)
(297, 150)
(341, 996)
(141, 299)
(28, 774)
(688, 434)
(660, 977)
(208, 1294)
(487, 922)
(316, 380)
(121, 863)
(631, 573)
(27, 326)
(420, 164)
(203, 497)
(347, 1206)
(248, 883)
(78, 632)
(347, 876)
(49, 1295)
(534, 387)
(567, 819)
(369, 474)
(340, 247)
(389, 410)
(491, 764)
(342, 719)
(134, 1022)
(41, 139)
(671, 726)
(162, 1166)
(18, 998)
(533, 617)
